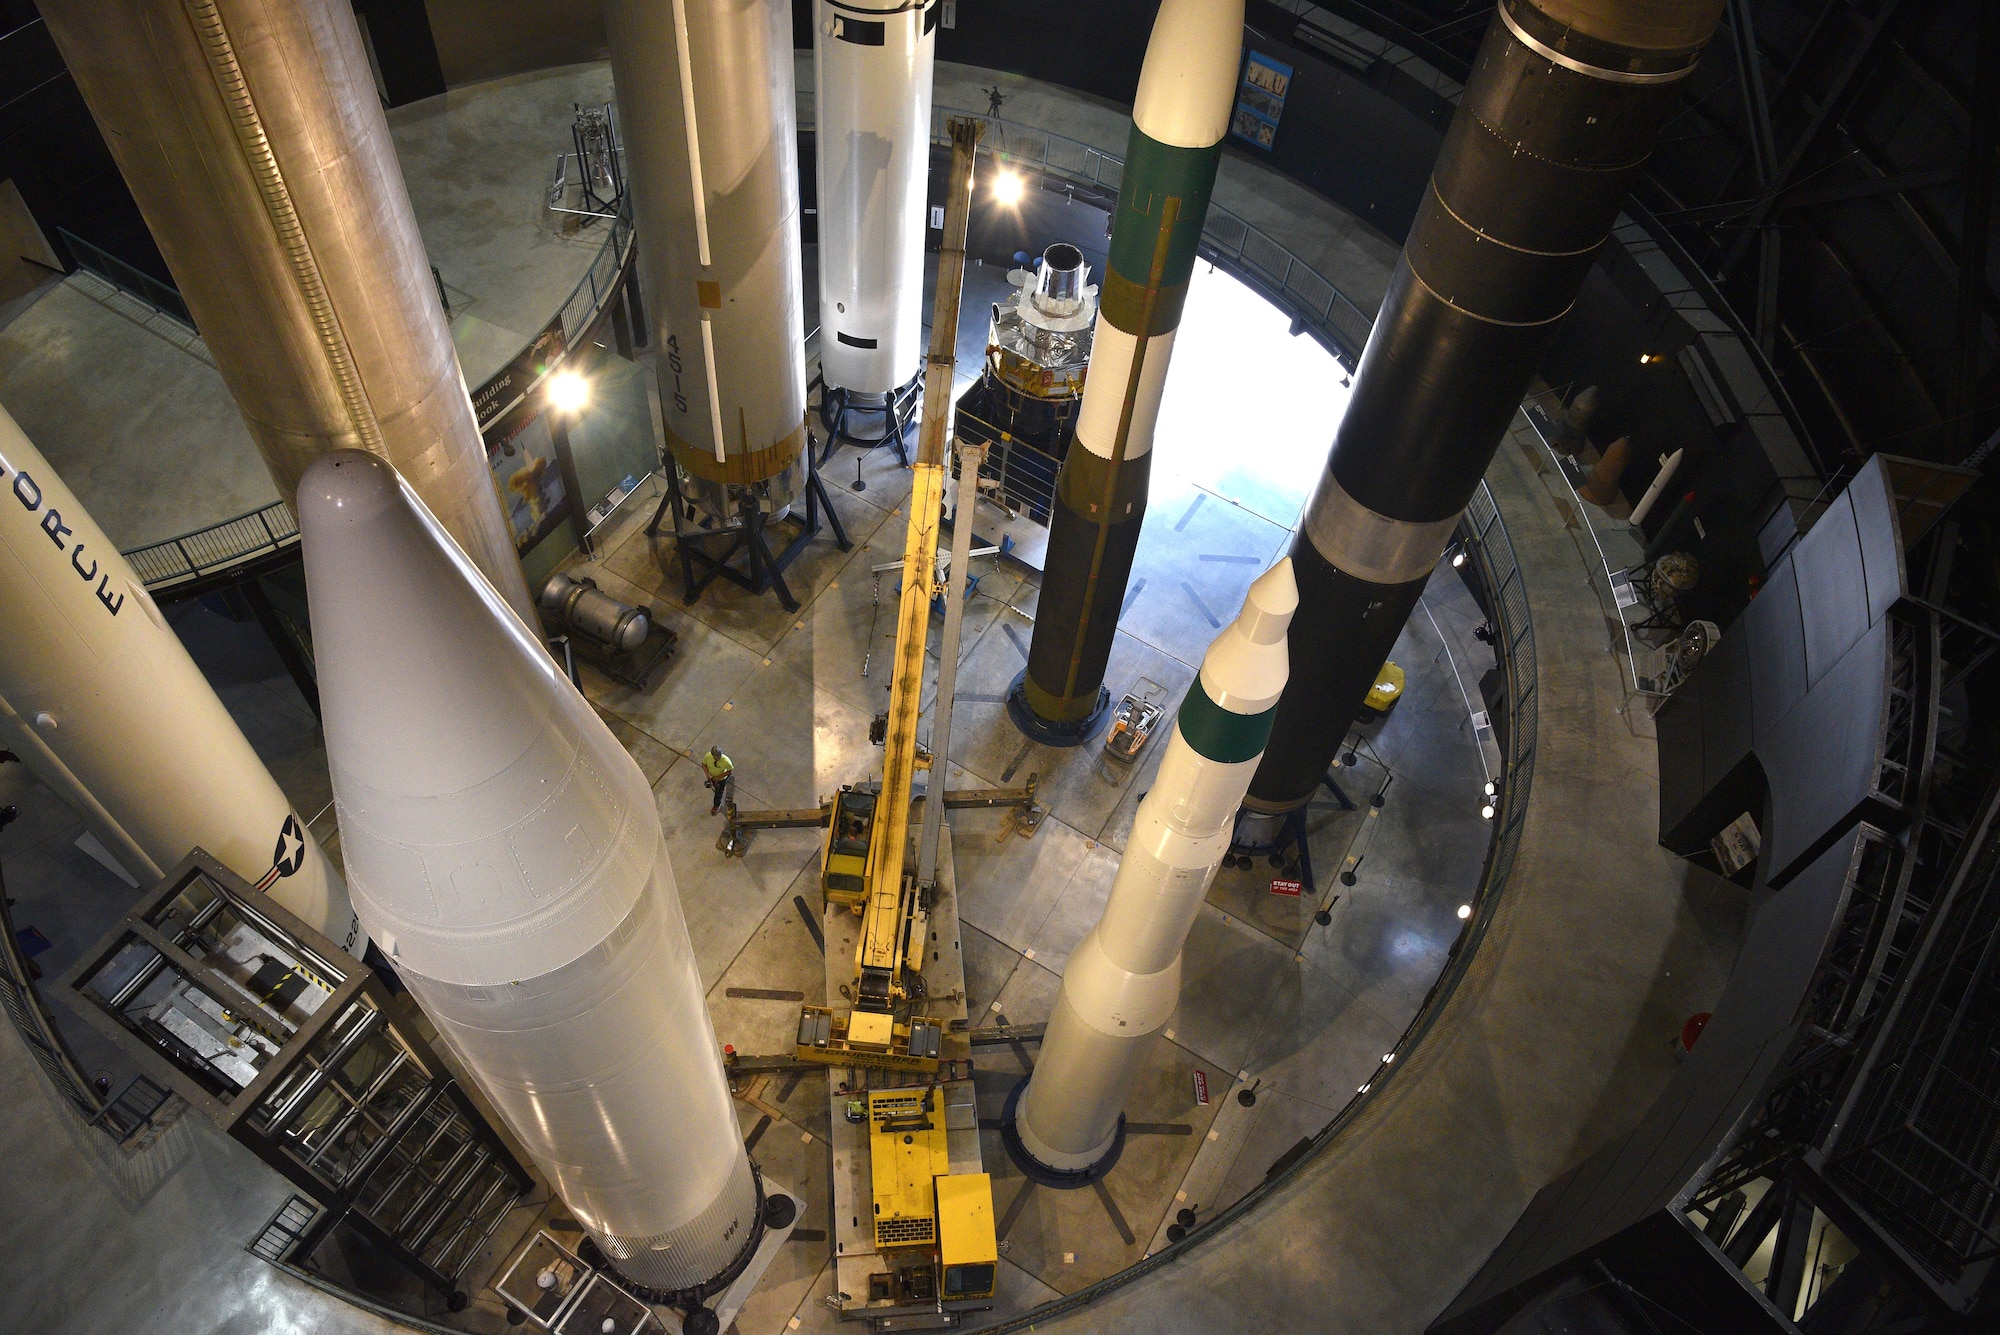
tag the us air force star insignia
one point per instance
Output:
(290, 855)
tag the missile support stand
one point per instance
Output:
(898, 410)
(709, 553)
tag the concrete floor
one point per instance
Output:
(1269, 996)
(1519, 1080)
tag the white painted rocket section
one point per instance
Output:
(1122, 983)
(872, 65)
(1112, 351)
(506, 854)
(99, 698)
(1187, 86)
(707, 112)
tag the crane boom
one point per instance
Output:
(880, 952)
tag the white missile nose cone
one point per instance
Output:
(1187, 85)
(1268, 607)
(345, 485)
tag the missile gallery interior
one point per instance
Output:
(1201, 666)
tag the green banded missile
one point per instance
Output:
(1122, 983)
(1186, 90)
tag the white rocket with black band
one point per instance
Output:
(1123, 981)
(872, 64)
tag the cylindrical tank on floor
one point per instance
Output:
(872, 81)
(578, 604)
(706, 110)
(99, 698)
(253, 139)
(1065, 1124)
(506, 854)
(1562, 107)
(1186, 89)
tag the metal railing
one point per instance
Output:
(164, 298)
(163, 565)
(1605, 571)
(586, 300)
(218, 548)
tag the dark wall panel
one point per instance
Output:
(399, 31)
(485, 39)
(52, 151)
(1357, 141)
(1093, 46)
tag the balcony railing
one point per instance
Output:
(211, 552)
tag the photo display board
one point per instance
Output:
(1260, 99)
(522, 450)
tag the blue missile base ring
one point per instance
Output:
(1039, 729)
(1038, 1172)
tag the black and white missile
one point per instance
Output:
(1561, 109)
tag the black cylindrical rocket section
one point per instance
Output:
(1564, 101)
(1179, 116)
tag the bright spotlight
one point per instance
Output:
(1486, 812)
(1458, 558)
(1008, 189)
(1464, 912)
(568, 392)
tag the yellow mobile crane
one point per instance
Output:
(932, 1237)
(866, 860)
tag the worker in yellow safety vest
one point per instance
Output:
(719, 769)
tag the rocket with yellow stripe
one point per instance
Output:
(706, 107)
(1182, 109)
(1064, 1125)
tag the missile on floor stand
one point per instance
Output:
(1559, 113)
(505, 852)
(1064, 1125)
(706, 109)
(1186, 88)
(99, 698)
(872, 75)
